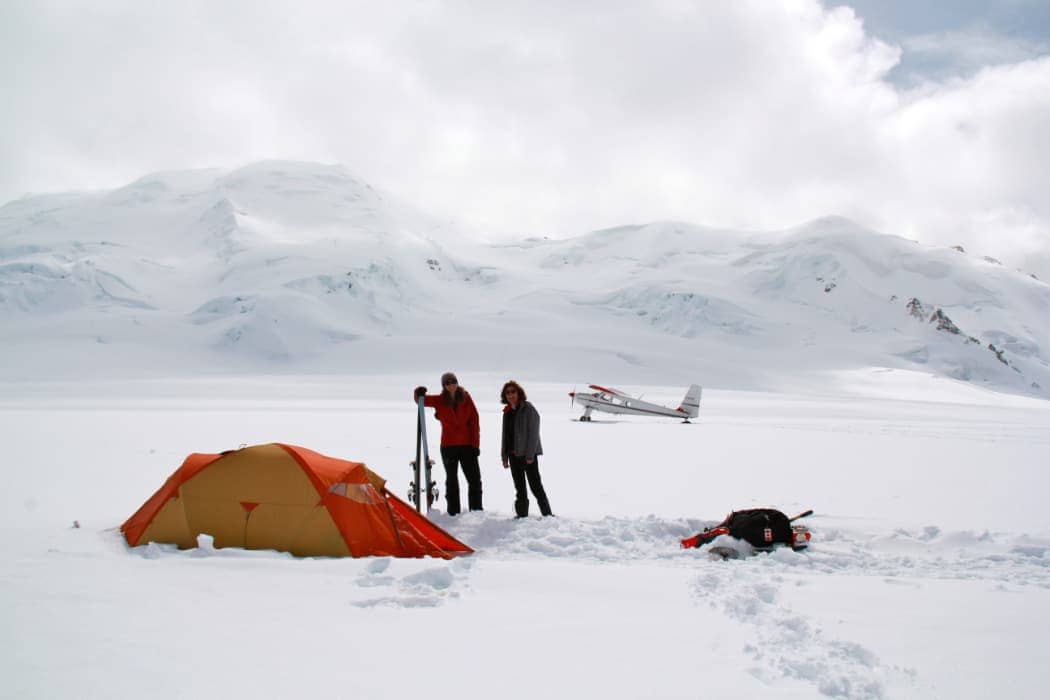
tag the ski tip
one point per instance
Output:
(804, 514)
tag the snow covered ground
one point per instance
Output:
(928, 576)
(899, 390)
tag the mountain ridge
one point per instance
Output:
(290, 266)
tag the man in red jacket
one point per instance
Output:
(460, 439)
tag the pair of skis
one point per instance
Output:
(423, 463)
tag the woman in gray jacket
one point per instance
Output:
(521, 448)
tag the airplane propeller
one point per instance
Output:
(572, 397)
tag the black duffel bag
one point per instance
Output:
(760, 527)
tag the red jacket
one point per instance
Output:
(459, 425)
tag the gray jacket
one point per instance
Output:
(522, 427)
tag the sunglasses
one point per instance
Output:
(451, 383)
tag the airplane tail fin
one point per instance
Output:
(691, 402)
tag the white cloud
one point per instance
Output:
(965, 51)
(972, 161)
(536, 118)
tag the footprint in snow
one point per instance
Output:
(424, 589)
(439, 579)
(787, 645)
(373, 574)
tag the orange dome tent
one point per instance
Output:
(290, 499)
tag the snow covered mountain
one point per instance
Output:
(300, 267)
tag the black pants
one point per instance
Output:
(452, 457)
(520, 471)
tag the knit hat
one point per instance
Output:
(448, 377)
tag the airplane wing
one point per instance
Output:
(606, 390)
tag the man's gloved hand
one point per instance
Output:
(420, 391)
(477, 451)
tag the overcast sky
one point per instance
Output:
(928, 120)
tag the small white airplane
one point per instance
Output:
(617, 402)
